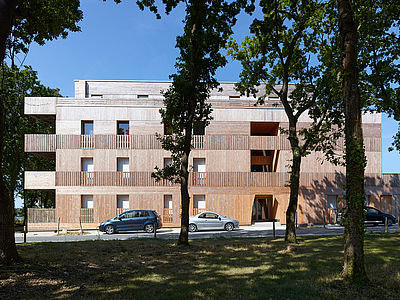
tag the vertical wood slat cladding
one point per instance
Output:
(269, 143)
(42, 215)
(209, 179)
(40, 143)
(51, 142)
(68, 208)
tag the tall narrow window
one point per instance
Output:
(87, 168)
(87, 127)
(86, 215)
(167, 130)
(199, 169)
(168, 215)
(168, 201)
(123, 127)
(199, 204)
(87, 138)
(123, 171)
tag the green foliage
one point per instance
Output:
(207, 26)
(379, 54)
(43, 20)
(289, 45)
(17, 84)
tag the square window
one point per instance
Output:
(168, 201)
(123, 201)
(199, 201)
(87, 127)
(199, 128)
(122, 164)
(199, 164)
(87, 201)
(123, 127)
(167, 161)
(87, 165)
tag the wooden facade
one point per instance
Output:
(242, 166)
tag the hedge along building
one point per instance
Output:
(105, 147)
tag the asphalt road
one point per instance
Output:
(173, 233)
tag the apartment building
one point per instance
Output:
(105, 148)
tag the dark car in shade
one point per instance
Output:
(373, 216)
(132, 220)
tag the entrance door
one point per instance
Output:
(261, 209)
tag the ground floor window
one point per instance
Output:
(199, 204)
(86, 215)
(168, 211)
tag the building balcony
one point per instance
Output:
(207, 179)
(51, 142)
(40, 180)
(43, 108)
(201, 179)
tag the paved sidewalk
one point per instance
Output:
(256, 230)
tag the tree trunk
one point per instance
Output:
(354, 270)
(290, 235)
(8, 250)
(185, 201)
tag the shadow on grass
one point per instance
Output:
(224, 268)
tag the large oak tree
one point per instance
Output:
(21, 23)
(207, 26)
(288, 45)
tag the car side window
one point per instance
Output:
(211, 216)
(202, 215)
(372, 211)
(143, 214)
(126, 215)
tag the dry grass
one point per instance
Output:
(210, 268)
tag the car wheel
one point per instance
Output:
(192, 228)
(149, 228)
(109, 229)
(390, 222)
(229, 226)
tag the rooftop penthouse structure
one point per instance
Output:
(105, 148)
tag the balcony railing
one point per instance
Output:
(168, 215)
(51, 142)
(42, 215)
(207, 179)
(87, 215)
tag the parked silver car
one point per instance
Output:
(211, 220)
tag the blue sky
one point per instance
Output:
(122, 42)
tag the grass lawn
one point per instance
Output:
(208, 269)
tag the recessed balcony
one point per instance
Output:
(42, 108)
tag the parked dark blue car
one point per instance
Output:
(373, 216)
(132, 220)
